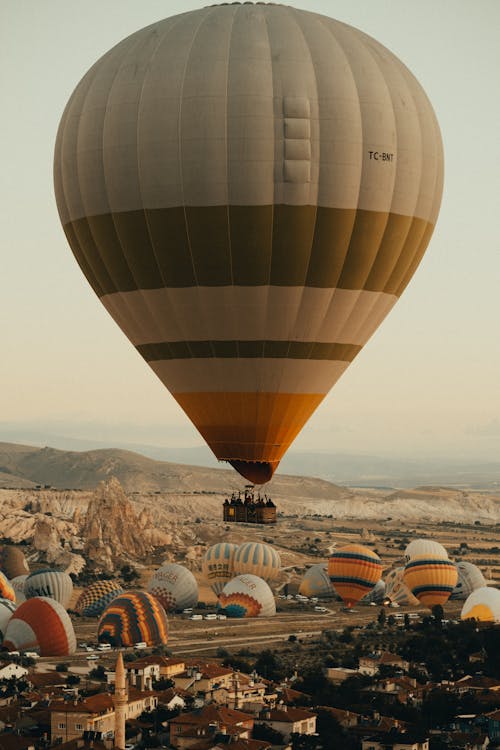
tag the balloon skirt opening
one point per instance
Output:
(257, 472)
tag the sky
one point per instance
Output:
(428, 382)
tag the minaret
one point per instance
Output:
(120, 700)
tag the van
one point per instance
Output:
(196, 617)
(141, 644)
(187, 611)
(211, 616)
(104, 647)
(32, 654)
(320, 609)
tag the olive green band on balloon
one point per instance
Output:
(248, 349)
(280, 245)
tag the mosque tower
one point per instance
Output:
(120, 700)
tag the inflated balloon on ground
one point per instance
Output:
(258, 559)
(133, 617)
(354, 570)
(249, 189)
(431, 579)
(218, 565)
(7, 608)
(316, 582)
(48, 582)
(175, 587)
(470, 578)
(12, 561)
(96, 597)
(6, 589)
(41, 624)
(247, 596)
(483, 605)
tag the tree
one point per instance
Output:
(268, 734)
(438, 614)
(381, 617)
(129, 573)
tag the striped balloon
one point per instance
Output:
(470, 578)
(248, 188)
(6, 589)
(96, 597)
(218, 565)
(48, 582)
(259, 559)
(424, 548)
(7, 608)
(483, 605)
(175, 587)
(316, 582)
(41, 624)
(354, 570)
(430, 579)
(133, 617)
(247, 596)
(396, 589)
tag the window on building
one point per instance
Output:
(61, 725)
(79, 726)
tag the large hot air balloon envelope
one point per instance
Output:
(470, 578)
(247, 596)
(431, 579)
(47, 582)
(425, 547)
(133, 617)
(396, 589)
(354, 570)
(248, 188)
(41, 624)
(96, 597)
(316, 582)
(483, 604)
(175, 587)
(218, 565)
(12, 561)
(7, 608)
(258, 559)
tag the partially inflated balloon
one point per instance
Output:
(175, 587)
(248, 188)
(41, 624)
(258, 559)
(218, 565)
(247, 596)
(396, 589)
(470, 578)
(483, 605)
(47, 582)
(133, 617)
(425, 547)
(7, 608)
(316, 582)
(354, 570)
(12, 561)
(96, 597)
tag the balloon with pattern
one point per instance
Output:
(354, 570)
(470, 578)
(483, 604)
(247, 596)
(12, 561)
(259, 559)
(316, 582)
(248, 188)
(218, 565)
(7, 608)
(423, 547)
(175, 587)
(376, 595)
(133, 617)
(48, 582)
(431, 579)
(41, 624)
(6, 588)
(96, 597)
(396, 589)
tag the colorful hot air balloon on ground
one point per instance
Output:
(133, 617)
(483, 605)
(47, 582)
(431, 579)
(7, 608)
(396, 589)
(175, 587)
(354, 570)
(18, 586)
(218, 565)
(41, 624)
(96, 597)
(470, 578)
(259, 559)
(6, 589)
(12, 561)
(247, 596)
(316, 582)
(248, 188)
(376, 595)
(424, 547)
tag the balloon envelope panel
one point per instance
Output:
(470, 578)
(430, 579)
(376, 595)
(483, 604)
(396, 589)
(247, 596)
(7, 608)
(218, 565)
(133, 617)
(248, 188)
(175, 587)
(354, 570)
(96, 597)
(425, 547)
(258, 559)
(18, 586)
(52, 583)
(6, 589)
(316, 582)
(41, 624)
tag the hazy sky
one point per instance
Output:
(427, 383)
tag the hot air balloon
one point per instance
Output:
(17, 584)
(376, 595)
(133, 617)
(41, 624)
(424, 547)
(7, 608)
(316, 582)
(396, 589)
(483, 605)
(248, 189)
(175, 586)
(6, 590)
(470, 578)
(247, 596)
(12, 561)
(259, 559)
(96, 597)
(48, 582)
(354, 570)
(431, 579)
(218, 565)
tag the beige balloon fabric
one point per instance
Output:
(248, 188)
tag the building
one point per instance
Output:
(10, 670)
(204, 677)
(188, 729)
(370, 665)
(395, 741)
(288, 721)
(249, 509)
